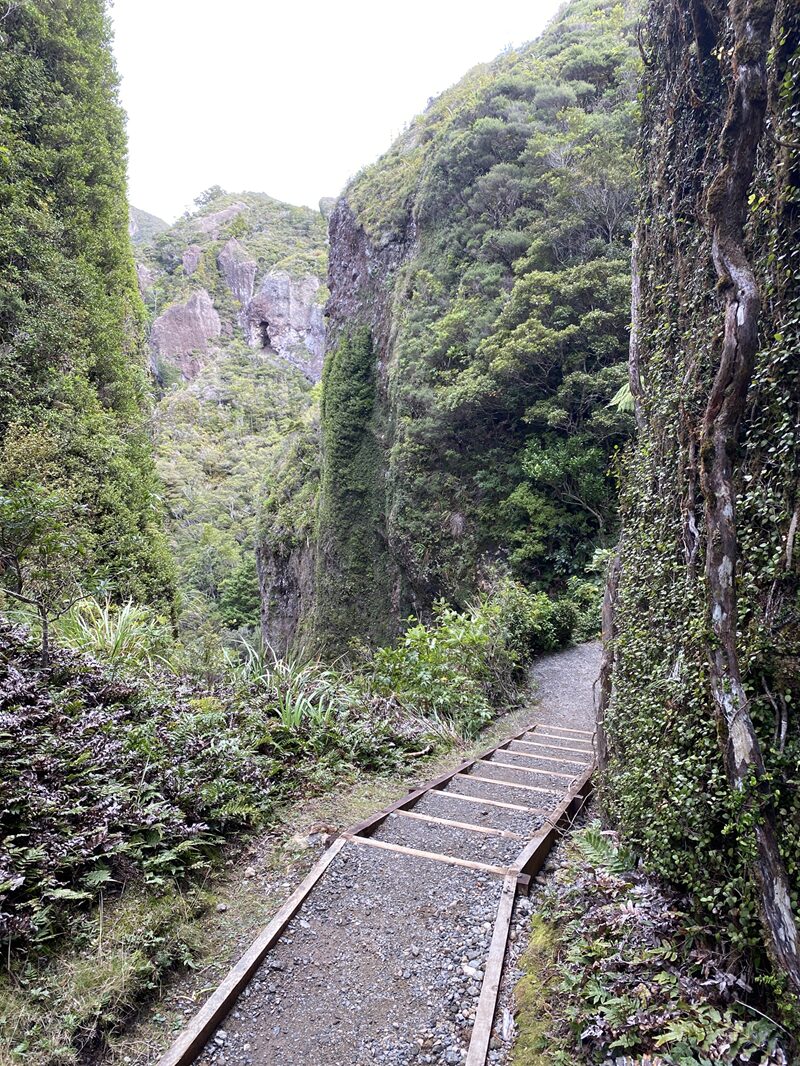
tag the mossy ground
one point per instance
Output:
(537, 1000)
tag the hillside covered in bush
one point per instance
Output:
(234, 296)
(477, 334)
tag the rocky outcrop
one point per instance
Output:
(286, 581)
(191, 259)
(285, 317)
(238, 269)
(184, 335)
(145, 278)
(359, 277)
(211, 224)
(326, 206)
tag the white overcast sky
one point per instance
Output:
(289, 98)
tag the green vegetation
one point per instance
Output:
(217, 439)
(74, 397)
(464, 665)
(509, 321)
(709, 818)
(352, 565)
(221, 438)
(610, 944)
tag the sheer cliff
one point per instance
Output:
(702, 624)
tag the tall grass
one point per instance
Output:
(126, 635)
(304, 694)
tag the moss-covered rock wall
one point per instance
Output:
(702, 727)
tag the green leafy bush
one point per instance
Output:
(626, 972)
(531, 622)
(441, 669)
(464, 665)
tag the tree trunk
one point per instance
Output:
(608, 632)
(727, 207)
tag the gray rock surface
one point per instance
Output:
(238, 269)
(212, 223)
(357, 277)
(286, 580)
(191, 259)
(183, 336)
(146, 278)
(285, 317)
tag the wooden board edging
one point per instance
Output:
(192, 1039)
(490, 987)
(435, 785)
(528, 863)
(532, 857)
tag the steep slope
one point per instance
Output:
(479, 277)
(236, 338)
(75, 460)
(142, 226)
(703, 737)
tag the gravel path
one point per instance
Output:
(383, 962)
(564, 687)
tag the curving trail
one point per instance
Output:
(394, 956)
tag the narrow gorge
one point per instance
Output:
(400, 596)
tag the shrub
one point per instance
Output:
(532, 622)
(586, 597)
(129, 635)
(618, 968)
(440, 670)
(463, 666)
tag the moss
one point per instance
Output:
(352, 563)
(536, 1044)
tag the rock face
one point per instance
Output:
(239, 270)
(146, 279)
(285, 317)
(211, 224)
(183, 335)
(362, 278)
(357, 277)
(286, 580)
(191, 259)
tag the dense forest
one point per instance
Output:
(290, 500)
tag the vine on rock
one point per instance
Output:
(703, 751)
